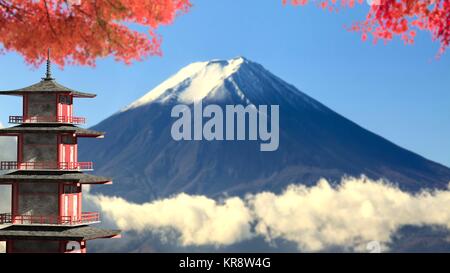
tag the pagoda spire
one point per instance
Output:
(48, 74)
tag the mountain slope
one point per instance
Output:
(146, 163)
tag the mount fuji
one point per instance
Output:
(314, 142)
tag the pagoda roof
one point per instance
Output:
(47, 86)
(53, 176)
(55, 233)
(50, 128)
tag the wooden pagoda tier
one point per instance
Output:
(29, 132)
(52, 239)
(46, 178)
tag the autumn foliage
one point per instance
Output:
(389, 18)
(79, 31)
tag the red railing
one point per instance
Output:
(86, 218)
(46, 119)
(14, 165)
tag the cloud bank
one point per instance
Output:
(200, 220)
(348, 216)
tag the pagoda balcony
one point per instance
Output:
(44, 166)
(50, 220)
(46, 119)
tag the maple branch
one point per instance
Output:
(49, 20)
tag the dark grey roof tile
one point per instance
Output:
(53, 176)
(50, 128)
(55, 233)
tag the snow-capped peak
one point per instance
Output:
(193, 82)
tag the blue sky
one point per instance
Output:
(399, 92)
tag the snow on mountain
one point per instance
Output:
(192, 83)
(216, 79)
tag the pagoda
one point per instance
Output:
(46, 180)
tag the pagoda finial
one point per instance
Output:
(48, 74)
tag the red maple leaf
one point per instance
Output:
(79, 31)
(389, 18)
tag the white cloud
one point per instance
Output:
(315, 218)
(200, 220)
(350, 215)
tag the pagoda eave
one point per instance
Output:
(53, 176)
(74, 94)
(82, 233)
(50, 128)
